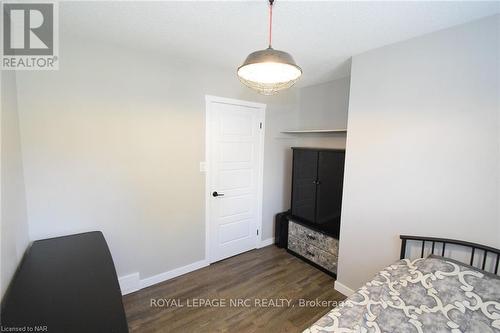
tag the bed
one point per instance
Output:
(432, 293)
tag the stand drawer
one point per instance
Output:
(314, 254)
(317, 239)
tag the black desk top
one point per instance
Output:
(68, 284)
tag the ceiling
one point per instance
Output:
(322, 36)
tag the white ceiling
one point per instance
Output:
(322, 36)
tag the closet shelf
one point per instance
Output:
(315, 131)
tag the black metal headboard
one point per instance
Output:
(485, 250)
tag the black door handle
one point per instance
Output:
(215, 194)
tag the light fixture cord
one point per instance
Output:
(270, 22)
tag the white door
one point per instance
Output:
(235, 153)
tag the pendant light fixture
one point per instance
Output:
(269, 71)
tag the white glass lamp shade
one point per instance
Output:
(269, 71)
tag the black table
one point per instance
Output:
(66, 284)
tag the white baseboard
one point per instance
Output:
(129, 283)
(132, 282)
(266, 242)
(343, 289)
(173, 273)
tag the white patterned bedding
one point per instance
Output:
(424, 295)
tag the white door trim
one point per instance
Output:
(261, 108)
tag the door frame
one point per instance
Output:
(261, 108)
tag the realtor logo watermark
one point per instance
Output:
(30, 38)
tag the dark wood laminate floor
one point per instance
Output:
(268, 273)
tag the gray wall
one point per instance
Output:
(14, 225)
(112, 141)
(422, 146)
(323, 106)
